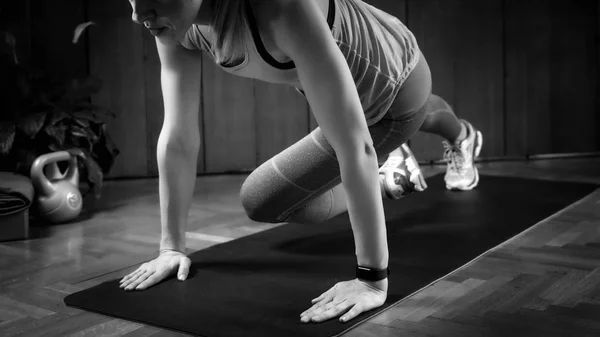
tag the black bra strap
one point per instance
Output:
(260, 47)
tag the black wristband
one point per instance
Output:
(371, 274)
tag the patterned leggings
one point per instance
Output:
(302, 183)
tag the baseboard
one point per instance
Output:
(532, 157)
(421, 162)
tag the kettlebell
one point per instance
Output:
(58, 197)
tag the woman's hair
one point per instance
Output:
(229, 27)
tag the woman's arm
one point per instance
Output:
(179, 140)
(177, 151)
(299, 31)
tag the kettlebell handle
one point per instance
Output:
(38, 177)
(72, 174)
(53, 172)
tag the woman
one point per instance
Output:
(369, 88)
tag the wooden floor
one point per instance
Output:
(544, 282)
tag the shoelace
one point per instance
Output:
(454, 158)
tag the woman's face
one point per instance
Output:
(168, 20)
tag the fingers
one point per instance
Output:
(156, 270)
(355, 311)
(150, 281)
(318, 302)
(135, 281)
(131, 275)
(326, 296)
(334, 311)
(331, 310)
(184, 268)
(128, 285)
(317, 310)
(348, 299)
(317, 306)
(322, 296)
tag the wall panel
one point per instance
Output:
(573, 78)
(117, 57)
(597, 107)
(52, 27)
(15, 17)
(525, 72)
(462, 42)
(281, 118)
(528, 77)
(551, 76)
(229, 109)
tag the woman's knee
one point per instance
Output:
(271, 201)
(254, 199)
(266, 196)
(315, 211)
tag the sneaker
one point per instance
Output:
(461, 173)
(401, 175)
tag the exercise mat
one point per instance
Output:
(258, 285)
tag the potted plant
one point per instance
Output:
(41, 115)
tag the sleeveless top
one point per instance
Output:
(380, 50)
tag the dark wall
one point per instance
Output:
(43, 30)
(525, 72)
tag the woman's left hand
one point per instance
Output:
(349, 299)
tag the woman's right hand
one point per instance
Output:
(152, 272)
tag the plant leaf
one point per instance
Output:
(105, 151)
(32, 123)
(98, 128)
(77, 131)
(58, 133)
(94, 176)
(82, 122)
(80, 29)
(75, 151)
(55, 147)
(91, 173)
(80, 132)
(96, 109)
(56, 117)
(87, 115)
(7, 137)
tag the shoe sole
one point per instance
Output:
(388, 188)
(476, 151)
